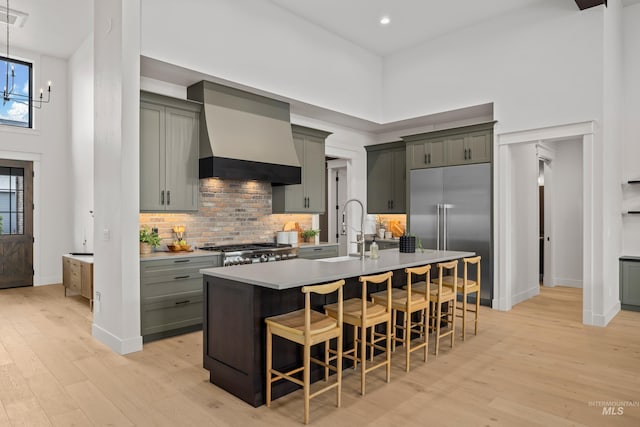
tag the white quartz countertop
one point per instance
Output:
(299, 272)
(83, 258)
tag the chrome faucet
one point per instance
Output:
(360, 236)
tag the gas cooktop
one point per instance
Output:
(249, 253)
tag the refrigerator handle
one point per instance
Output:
(444, 227)
(438, 227)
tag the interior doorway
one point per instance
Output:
(337, 190)
(571, 234)
(16, 224)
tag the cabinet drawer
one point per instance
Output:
(171, 286)
(166, 314)
(75, 276)
(317, 252)
(167, 270)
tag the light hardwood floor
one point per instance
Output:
(535, 365)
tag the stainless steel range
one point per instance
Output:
(250, 253)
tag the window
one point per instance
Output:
(17, 111)
(11, 200)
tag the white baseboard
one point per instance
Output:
(588, 318)
(46, 280)
(500, 304)
(118, 345)
(525, 295)
(570, 283)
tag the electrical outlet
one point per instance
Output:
(106, 234)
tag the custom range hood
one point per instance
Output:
(244, 136)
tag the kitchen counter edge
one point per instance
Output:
(300, 272)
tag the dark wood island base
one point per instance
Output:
(234, 331)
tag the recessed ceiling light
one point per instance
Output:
(385, 20)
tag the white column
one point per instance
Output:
(116, 174)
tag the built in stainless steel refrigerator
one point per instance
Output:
(450, 209)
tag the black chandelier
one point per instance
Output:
(9, 94)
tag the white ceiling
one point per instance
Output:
(412, 21)
(58, 27)
(54, 27)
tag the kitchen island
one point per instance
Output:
(239, 298)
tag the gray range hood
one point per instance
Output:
(244, 136)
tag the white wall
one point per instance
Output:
(81, 141)
(566, 213)
(257, 44)
(631, 129)
(523, 238)
(47, 145)
(541, 66)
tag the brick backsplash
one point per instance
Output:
(230, 211)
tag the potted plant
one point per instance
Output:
(309, 234)
(148, 239)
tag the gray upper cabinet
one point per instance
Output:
(308, 196)
(169, 132)
(426, 154)
(386, 178)
(459, 146)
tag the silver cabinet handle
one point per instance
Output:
(162, 197)
(168, 197)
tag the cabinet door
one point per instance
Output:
(436, 153)
(456, 150)
(181, 160)
(314, 180)
(398, 182)
(630, 283)
(294, 194)
(152, 157)
(418, 156)
(479, 147)
(379, 187)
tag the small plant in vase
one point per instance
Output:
(148, 240)
(309, 235)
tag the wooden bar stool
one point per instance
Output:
(466, 287)
(440, 294)
(408, 302)
(363, 314)
(308, 327)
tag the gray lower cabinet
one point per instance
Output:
(630, 283)
(308, 196)
(450, 147)
(171, 294)
(386, 178)
(317, 252)
(169, 147)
